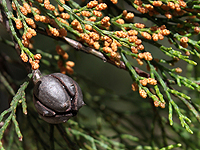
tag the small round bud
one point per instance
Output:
(18, 23)
(92, 4)
(134, 86)
(37, 56)
(134, 49)
(171, 5)
(114, 1)
(129, 16)
(146, 35)
(139, 61)
(14, 6)
(144, 82)
(162, 105)
(139, 25)
(156, 103)
(64, 15)
(105, 20)
(96, 45)
(70, 63)
(88, 27)
(37, 17)
(196, 29)
(155, 37)
(23, 11)
(35, 65)
(178, 70)
(142, 93)
(132, 38)
(165, 32)
(160, 36)
(168, 15)
(85, 13)
(97, 13)
(187, 53)
(101, 6)
(65, 56)
(184, 40)
(132, 32)
(54, 31)
(59, 50)
(120, 21)
(27, 7)
(152, 81)
(69, 70)
(24, 57)
(125, 12)
(157, 3)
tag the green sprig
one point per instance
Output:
(9, 15)
(12, 109)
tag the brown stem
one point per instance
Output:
(79, 46)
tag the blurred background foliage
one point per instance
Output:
(114, 117)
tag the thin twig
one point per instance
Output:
(86, 49)
(63, 133)
(51, 137)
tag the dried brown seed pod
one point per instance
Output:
(56, 97)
